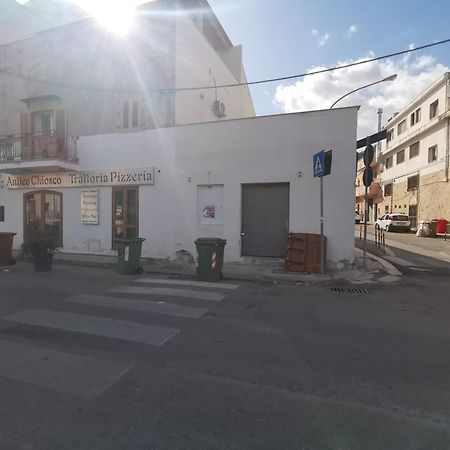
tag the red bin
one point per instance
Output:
(441, 226)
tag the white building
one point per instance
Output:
(249, 181)
(415, 156)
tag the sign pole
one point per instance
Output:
(366, 209)
(322, 256)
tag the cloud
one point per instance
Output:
(321, 38)
(352, 29)
(320, 91)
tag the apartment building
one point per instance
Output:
(415, 157)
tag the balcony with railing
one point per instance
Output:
(38, 153)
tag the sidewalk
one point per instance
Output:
(437, 247)
(256, 270)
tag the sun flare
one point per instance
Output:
(115, 15)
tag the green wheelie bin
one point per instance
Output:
(210, 258)
(129, 256)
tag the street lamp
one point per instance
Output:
(390, 78)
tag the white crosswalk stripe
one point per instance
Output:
(204, 284)
(184, 293)
(85, 376)
(100, 326)
(160, 307)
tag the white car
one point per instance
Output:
(393, 221)
(358, 217)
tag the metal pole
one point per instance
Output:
(322, 255)
(366, 211)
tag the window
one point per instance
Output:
(125, 217)
(386, 209)
(126, 115)
(414, 150)
(134, 115)
(388, 163)
(432, 153)
(390, 135)
(413, 182)
(415, 117)
(43, 213)
(388, 190)
(42, 122)
(400, 156)
(434, 109)
(401, 127)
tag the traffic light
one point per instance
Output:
(368, 171)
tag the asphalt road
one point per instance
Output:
(94, 360)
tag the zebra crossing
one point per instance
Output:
(85, 376)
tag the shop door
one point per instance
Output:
(125, 209)
(43, 213)
(265, 219)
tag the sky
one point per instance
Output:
(287, 37)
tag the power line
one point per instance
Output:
(249, 83)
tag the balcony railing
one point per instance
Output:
(28, 147)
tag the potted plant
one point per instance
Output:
(41, 247)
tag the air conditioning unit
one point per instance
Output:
(218, 108)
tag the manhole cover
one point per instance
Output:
(352, 291)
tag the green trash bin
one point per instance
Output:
(129, 255)
(6, 242)
(210, 258)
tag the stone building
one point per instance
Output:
(415, 157)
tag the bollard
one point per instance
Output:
(383, 241)
(360, 232)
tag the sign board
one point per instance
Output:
(318, 163)
(368, 155)
(89, 206)
(106, 177)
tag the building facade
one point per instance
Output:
(249, 181)
(415, 157)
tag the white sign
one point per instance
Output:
(107, 177)
(89, 206)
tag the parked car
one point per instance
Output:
(358, 217)
(393, 221)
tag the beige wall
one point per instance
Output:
(432, 197)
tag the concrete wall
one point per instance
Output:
(258, 150)
(207, 66)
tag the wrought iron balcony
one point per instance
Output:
(27, 152)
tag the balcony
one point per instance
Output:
(38, 153)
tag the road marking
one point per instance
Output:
(187, 283)
(99, 326)
(199, 295)
(159, 307)
(78, 375)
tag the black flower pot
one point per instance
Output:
(43, 262)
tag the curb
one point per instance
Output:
(390, 269)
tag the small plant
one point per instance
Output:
(39, 244)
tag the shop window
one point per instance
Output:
(432, 153)
(400, 156)
(414, 150)
(434, 109)
(413, 182)
(43, 213)
(125, 210)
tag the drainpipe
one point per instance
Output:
(447, 143)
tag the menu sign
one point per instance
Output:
(89, 206)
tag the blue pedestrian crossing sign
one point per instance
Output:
(318, 163)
